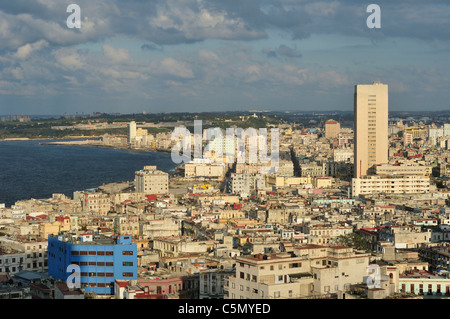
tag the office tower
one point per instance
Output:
(370, 126)
(131, 132)
(332, 129)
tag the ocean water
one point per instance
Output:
(31, 170)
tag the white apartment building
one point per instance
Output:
(412, 184)
(246, 183)
(151, 181)
(402, 169)
(324, 234)
(343, 155)
(96, 202)
(198, 168)
(307, 271)
(16, 255)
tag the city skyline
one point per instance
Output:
(193, 56)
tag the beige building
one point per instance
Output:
(403, 169)
(411, 184)
(332, 129)
(96, 202)
(151, 181)
(198, 168)
(307, 271)
(371, 126)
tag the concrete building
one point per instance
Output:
(371, 127)
(17, 255)
(96, 202)
(403, 169)
(332, 129)
(131, 136)
(245, 183)
(151, 181)
(199, 168)
(212, 283)
(305, 272)
(101, 260)
(368, 185)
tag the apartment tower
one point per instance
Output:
(370, 127)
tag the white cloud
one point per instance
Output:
(115, 55)
(24, 51)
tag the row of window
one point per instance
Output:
(104, 274)
(99, 253)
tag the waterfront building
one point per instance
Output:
(151, 181)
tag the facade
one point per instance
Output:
(96, 202)
(307, 271)
(151, 181)
(332, 129)
(16, 256)
(131, 136)
(368, 185)
(371, 127)
(402, 169)
(212, 283)
(246, 183)
(101, 260)
(204, 169)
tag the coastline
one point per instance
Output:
(47, 138)
(88, 144)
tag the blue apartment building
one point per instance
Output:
(101, 260)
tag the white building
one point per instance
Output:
(151, 181)
(390, 185)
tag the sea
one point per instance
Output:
(29, 169)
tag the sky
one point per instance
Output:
(131, 56)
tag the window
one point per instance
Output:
(75, 253)
(109, 274)
(92, 253)
(100, 253)
(127, 274)
(100, 263)
(100, 274)
(127, 263)
(127, 253)
(83, 253)
(109, 253)
(109, 264)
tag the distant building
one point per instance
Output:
(151, 181)
(371, 127)
(412, 184)
(332, 129)
(131, 133)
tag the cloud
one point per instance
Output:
(115, 55)
(24, 51)
(151, 47)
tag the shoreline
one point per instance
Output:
(125, 148)
(46, 138)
